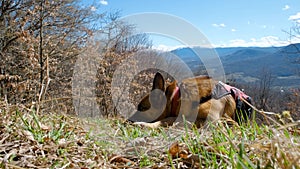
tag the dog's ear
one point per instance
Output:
(158, 82)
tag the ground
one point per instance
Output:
(32, 140)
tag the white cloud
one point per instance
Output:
(103, 2)
(295, 18)
(221, 25)
(233, 30)
(266, 41)
(215, 25)
(236, 42)
(286, 7)
(261, 42)
(166, 48)
(93, 8)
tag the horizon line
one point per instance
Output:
(170, 48)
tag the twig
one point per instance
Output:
(261, 111)
(13, 166)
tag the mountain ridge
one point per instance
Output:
(245, 63)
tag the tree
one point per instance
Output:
(294, 98)
(39, 41)
(264, 88)
(119, 41)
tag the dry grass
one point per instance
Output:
(29, 140)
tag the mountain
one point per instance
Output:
(227, 51)
(244, 55)
(246, 64)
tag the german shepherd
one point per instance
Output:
(191, 99)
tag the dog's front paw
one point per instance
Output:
(150, 125)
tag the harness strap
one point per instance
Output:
(205, 99)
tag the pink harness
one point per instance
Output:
(237, 93)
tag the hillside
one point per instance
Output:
(244, 63)
(244, 55)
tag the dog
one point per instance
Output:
(194, 99)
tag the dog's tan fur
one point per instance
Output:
(188, 104)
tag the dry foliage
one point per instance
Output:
(31, 141)
(39, 43)
(294, 102)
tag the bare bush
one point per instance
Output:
(294, 102)
(39, 42)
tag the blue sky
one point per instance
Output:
(225, 23)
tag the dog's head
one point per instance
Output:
(162, 102)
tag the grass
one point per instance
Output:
(29, 140)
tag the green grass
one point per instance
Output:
(29, 140)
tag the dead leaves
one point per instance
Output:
(177, 150)
(32, 141)
(184, 157)
(28, 135)
(263, 151)
(121, 162)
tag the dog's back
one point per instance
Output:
(198, 92)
